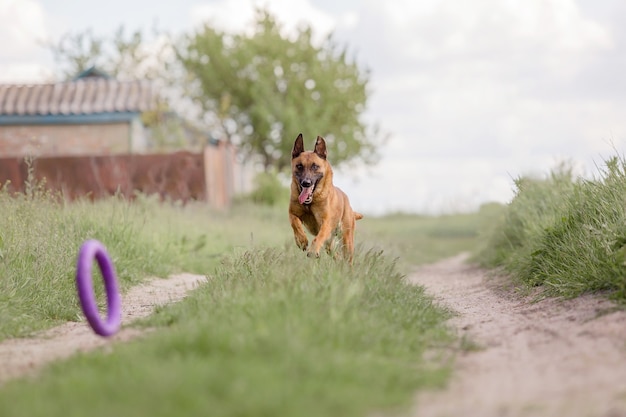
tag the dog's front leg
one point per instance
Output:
(323, 235)
(298, 232)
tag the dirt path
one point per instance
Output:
(22, 356)
(546, 358)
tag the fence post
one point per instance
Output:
(208, 177)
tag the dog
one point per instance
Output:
(317, 204)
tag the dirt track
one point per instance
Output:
(23, 356)
(546, 358)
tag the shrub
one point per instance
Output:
(269, 190)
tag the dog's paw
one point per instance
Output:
(302, 243)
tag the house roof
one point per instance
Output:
(85, 96)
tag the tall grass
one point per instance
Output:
(39, 239)
(566, 234)
(40, 235)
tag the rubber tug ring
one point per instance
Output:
(84, 284)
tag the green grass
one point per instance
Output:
(565, 234)
(271, 333)
(416, 240)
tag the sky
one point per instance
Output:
(473, 94)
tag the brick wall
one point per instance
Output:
(61, 140)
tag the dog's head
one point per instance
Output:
(308, 167)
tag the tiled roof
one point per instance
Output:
(85, 96)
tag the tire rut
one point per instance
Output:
(550, 357)
(24, 356)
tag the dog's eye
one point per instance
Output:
(314, 167)
(299, 167)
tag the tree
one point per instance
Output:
(123, 56)
(264, 88)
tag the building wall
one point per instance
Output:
(66, 140)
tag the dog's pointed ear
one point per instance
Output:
(320, 147)
(298, 147)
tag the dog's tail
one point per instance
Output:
(357, 216)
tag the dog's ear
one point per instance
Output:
(298, 147)
(320, 147)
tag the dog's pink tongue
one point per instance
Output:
(306, 193)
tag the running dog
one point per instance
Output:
(317, 204)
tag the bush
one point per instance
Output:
(269, 190)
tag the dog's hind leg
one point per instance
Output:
(347, 237)
(332, 247)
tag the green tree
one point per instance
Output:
(264, 88)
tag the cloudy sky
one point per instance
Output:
(474, 93)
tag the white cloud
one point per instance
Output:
(23, 28)
(501, 40)
(23, 23)
(27, 72)
(457, 70)
(432, 29)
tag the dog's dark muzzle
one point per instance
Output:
(307, 187)
(305, 183)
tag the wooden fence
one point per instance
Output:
(207, 176)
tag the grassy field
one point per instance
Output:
(564, 234)
(271, 333)
(415, 240)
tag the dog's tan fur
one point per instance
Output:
(324, 211)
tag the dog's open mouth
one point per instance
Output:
(306, 194)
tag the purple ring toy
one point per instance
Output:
(88, 251)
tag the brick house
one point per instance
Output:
(92, 114)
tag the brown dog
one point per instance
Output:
(316, 203)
